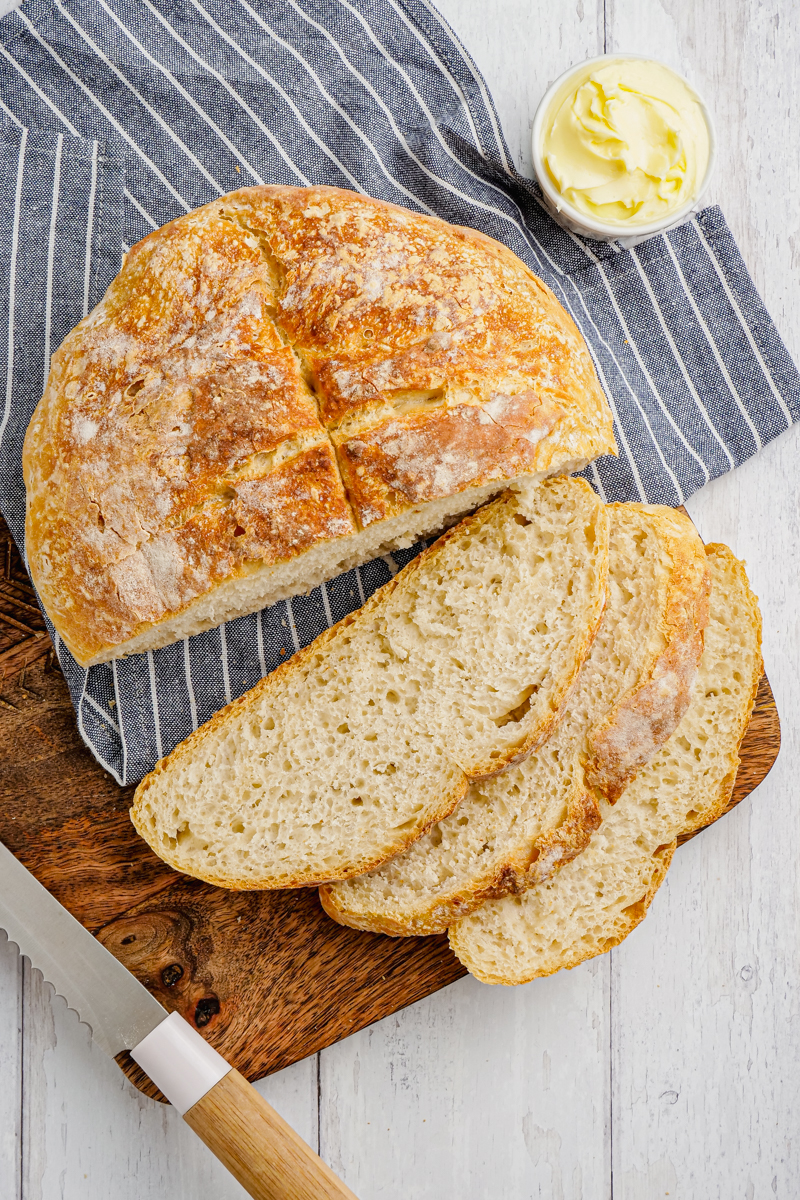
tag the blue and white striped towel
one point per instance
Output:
(118, 115)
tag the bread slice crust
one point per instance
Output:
(522, 826)
(596, 901)
(350, 750)
(278, 386)
(450, 792)
(488, 732)
(648, 714)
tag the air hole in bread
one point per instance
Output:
(439, 641)
(429, 886)
(522, 709)
(636, 910)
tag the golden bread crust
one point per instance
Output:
(276, 371)
(395, 598)
(637, 725)
(712, 811)
(512, 877)
(711, 798)
(270, 684)
(420, 456)
(651, 712)
(655, 871)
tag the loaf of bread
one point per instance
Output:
(595, 901)
(278, 386)
(518, 828)
(349, 752)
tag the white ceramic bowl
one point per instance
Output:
(572, 218)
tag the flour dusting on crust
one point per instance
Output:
(276, 372)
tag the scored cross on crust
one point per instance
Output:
(277, 386)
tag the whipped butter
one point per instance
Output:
(626, 142)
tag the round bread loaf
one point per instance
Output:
(276, 387)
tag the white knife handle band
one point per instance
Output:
(256, 1145)
(180, 1062)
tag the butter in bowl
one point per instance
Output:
(623, 146)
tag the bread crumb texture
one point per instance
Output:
(349, 752)
(517, 829)
(595, 901)
(277, 386)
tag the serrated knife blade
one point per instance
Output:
(235, 1122)
(119, 1010)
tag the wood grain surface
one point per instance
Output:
(258, 1147)
(672, 1064)
(266, 976)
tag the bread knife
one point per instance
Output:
(256, 1145)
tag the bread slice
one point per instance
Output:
(349, 752)
(518, 827)
(593, 903)
(493, 625)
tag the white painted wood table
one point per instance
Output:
(670, 1067)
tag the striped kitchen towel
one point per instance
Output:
(118, 115)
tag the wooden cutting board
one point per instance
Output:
(266, 975)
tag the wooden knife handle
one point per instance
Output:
(256, 1145)
(259, 1149)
